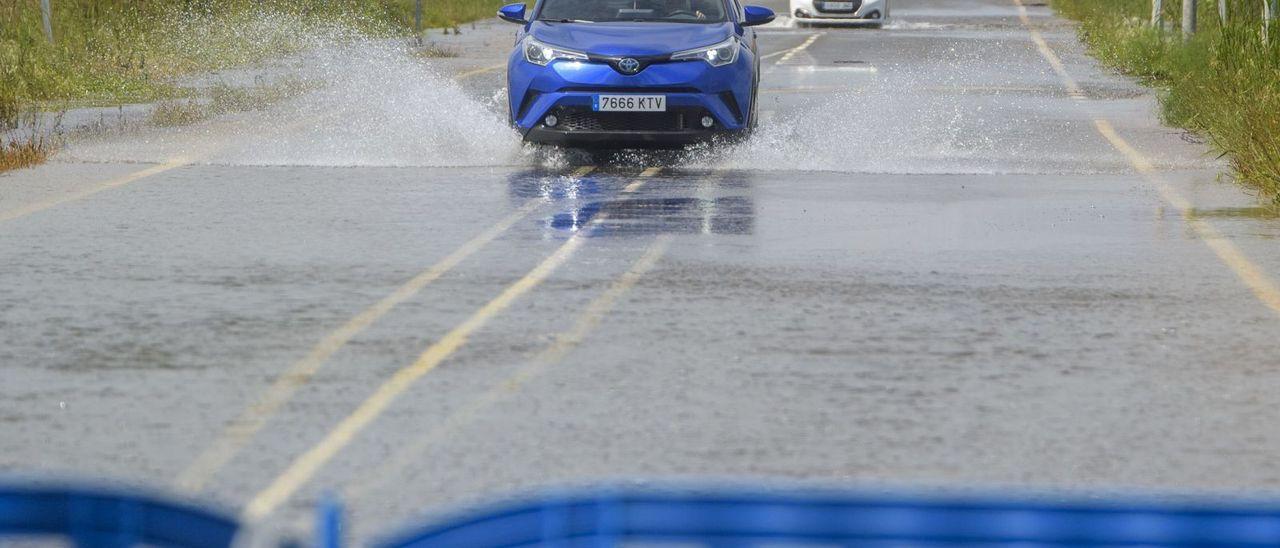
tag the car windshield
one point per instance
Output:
(665, 11)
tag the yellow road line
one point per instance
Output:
(168, 165)
(110, 184)
(1252, 276)
(475, 72)
(803, 46)
(306, 465)
(1073, 89)
(774, 54)
(252, 419)
(561, 346)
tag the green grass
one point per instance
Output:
(108, 52)
(1224, 83)
(113, 51)
(29, 148)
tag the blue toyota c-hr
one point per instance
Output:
(624, 73)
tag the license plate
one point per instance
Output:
(629, 103)
(837, 6)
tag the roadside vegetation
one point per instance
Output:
(20, 152)
(1223, 83)
(109, 52)
(224, 99)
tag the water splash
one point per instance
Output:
(372, 102)
(380, 106)
(376, 104)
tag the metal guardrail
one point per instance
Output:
(1270, 11)
(96, 517)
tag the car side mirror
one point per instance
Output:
(757, 15)
(513, 13)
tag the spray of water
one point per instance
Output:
(380, 106)
(373, 103)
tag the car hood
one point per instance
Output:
(630, 39)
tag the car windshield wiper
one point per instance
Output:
(565, 20)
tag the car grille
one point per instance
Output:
(588, 120)
(821, 6)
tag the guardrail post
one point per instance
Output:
(1157, 14)
(417, 17)
(1188, 18)
(46, 14)
(1268, 15)
(1222, 12)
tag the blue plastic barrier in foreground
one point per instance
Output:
(103, 518)
(611, 517)
(688, 517)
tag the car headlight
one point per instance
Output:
(539, 53)
(717, 55)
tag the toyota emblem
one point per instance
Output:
(628, 65)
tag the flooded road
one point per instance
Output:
(940, 262)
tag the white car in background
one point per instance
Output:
(872, 13)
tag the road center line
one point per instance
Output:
(564, 342)
(1249, 273)
(788, 54)
(306, 465)
(1073, 89)
(238, 433)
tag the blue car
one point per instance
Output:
(633, 73)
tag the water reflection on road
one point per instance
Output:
(670, 203)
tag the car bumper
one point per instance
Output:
(865, 12)
(693, 90)
(624, 139)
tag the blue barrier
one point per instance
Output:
(102, 518)
(709, 517)
(744, 518)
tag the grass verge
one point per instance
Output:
(25, 152)
(109, 52)
(1224, 83)
(26, 149)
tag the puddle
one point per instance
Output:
(690, 203)
(726, 215)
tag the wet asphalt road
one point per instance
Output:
(931, 267)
